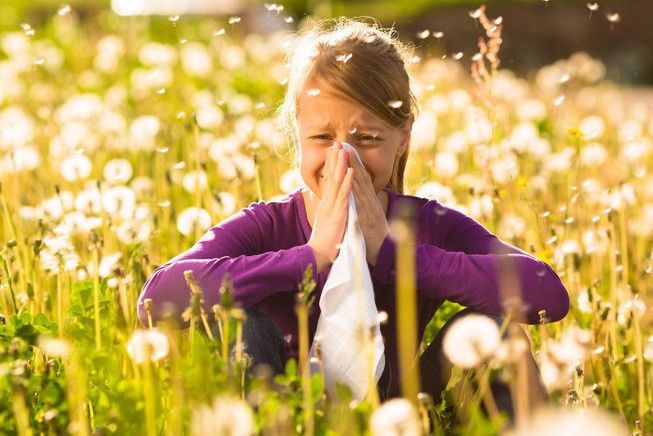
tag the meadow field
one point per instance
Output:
(122, 140)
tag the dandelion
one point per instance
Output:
(118, 171)
(148, 345)
(569, 422)
(54, 347)
(195, 181)
(471, 339)
(225, 416)
(446, 164)
(64, 10)
(76, 167)
(397, 416)
(192, 218)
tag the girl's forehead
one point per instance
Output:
(326, 110)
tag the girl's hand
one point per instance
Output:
(331, 213)
(371, 216)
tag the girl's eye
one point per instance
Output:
(368, 138)
(322, 137)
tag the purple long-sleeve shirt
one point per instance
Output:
(263, 247)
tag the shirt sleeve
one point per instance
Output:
(235, 246)
(467, 264)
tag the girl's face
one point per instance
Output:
(328, 117)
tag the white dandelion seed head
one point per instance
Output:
(470, 339)
(54, 347)
(226, 415)
(76, 167)
(195, 181)
(397, 417)
(571, 422)
(149, 345)
(191, 218)
(119, 201)
(118, 171)
(446, 165)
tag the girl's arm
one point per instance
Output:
(464, 262)
(237, 246)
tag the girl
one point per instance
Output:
(348, 83)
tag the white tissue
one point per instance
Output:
(347, 312)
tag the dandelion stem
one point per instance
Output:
(406, 303)
(21, 414)
(96, 297)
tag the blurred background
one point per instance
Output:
(536, 32)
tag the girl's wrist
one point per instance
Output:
(321, 258)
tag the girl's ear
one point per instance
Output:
(405, 135)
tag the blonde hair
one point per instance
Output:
(373, 76)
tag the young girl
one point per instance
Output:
(348, 83)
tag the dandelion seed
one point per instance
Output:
(219, 32)
(234, 20)
(444, 56)
(423, 34)
(173, 18)
(162, 150)
(438, 35)
(27, 29)
(63, 10)
(272, 7)
(415, 59)
(395, 104)
(613, 17)
(344, 57)
(370, 39)
(149, 345)
(564, 78)
(161, 91)
(352, 131)
(498, 20)
(259, 105)
(382, 317)
(288, 20)
(593, 7)
(477, 57)
(476, 13)
(164, 203)
(458, 56)
(183, 41)
(39, 62)
(181, 115)
(471, 339)
(559, 100)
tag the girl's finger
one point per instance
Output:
(345, 188)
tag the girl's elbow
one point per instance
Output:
(559, 307)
